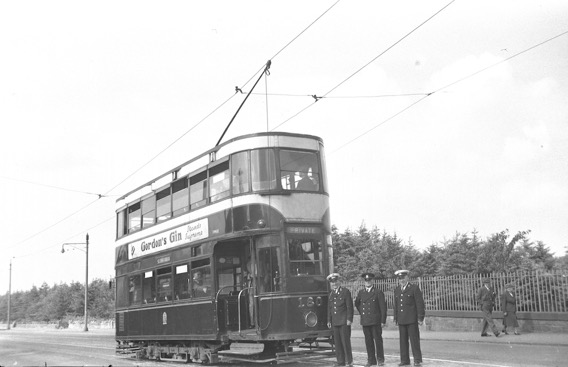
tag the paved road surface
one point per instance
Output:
(50, 347)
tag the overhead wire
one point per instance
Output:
(445, 87)
(368, 63)
(53, 186)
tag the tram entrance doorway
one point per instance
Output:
(234, 277)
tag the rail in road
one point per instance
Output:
(50, 347)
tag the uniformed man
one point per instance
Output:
(339, 319)
(370, 302)
(409, 312)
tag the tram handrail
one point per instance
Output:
(239, 304)
(238, 299)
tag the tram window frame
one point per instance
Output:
(148, 211)
(164, 284)
(300, 267)
(263, 169)
(240, 172)
(182, 282)
(219, 181)
(134, 215)
(180, 196)
(299, 170)
(163, 205)
(121, 227)
(149, 286)
(198, 189)
(203, 289)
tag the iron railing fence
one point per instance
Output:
(536, 291)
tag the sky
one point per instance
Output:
(438, 117)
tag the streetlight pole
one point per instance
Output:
(86, 275)
(9, 293)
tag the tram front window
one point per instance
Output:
(306, 256)
(299, 171)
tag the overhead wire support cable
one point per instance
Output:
(265, 71)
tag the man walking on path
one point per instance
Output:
(486, 300)
(339, 319)
(409, 312)
(370, 302)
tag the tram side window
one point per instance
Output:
(164, 277)
(219, 181)
(180, 197)
(163, 205)
(263, 169)
(134, 290)
(201, 278)
(149, 287)
(181, 282)
(148, 211)
(299, 170)
(134, 217)
(306, 256)
(240, 172)
(198, 190)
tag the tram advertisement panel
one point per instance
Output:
(178, 236)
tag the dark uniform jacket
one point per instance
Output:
(486, 297)
(340, 307)
(371, 306)
(408, 305)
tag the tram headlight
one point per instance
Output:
(311, 319)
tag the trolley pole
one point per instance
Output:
(86, 244)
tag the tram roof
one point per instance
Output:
(215, 149)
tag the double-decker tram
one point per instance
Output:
(227, 252)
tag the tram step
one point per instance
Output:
(243, 349)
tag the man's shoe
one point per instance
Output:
(517, 333)
(368, 365)
(404, 364)
(418, 363)
(381, 364)
(484, 334)
(497, 334)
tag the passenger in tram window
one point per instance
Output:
(201, 286)
(306, 183)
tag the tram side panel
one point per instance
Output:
(189, 321)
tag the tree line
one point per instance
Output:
(373, 250)
(355, 252)
(59, 302)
